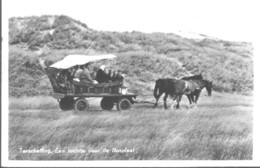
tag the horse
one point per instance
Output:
(194, 95)
(167, 86)
(163, 86)
(191, 88)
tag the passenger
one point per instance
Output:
(114, 77)
(69, 75)
(120, 76)
(93, 75)
(70, 78)
(77, 73)
(102, 76)
(107, 77)
(110, 74)
(62, 78)
(74, 70)
(85, 76)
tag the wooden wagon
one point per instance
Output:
(72, 94)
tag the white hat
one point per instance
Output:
(102, 67)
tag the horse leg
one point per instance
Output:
(196, 99)
(193, 99)
(178, 101)
(173, 102)
(190, 99)
(165, 99)
(157, 98)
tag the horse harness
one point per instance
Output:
(191, 86)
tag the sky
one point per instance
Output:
(225, 19)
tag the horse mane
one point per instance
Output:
(195, 77)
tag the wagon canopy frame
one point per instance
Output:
(73, 60)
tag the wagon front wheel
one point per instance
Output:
(66, 103)
(123, 104)
(81, 105)
(107, 103)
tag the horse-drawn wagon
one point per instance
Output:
(73, 94)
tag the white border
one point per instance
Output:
(5, 111)
(5, 88)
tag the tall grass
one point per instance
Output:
(219, 129)
(37, 102)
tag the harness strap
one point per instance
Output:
(196, 84)
(187, 90)
(186, 87)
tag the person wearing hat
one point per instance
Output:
(85, 76)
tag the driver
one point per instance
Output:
(85, 76)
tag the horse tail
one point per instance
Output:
(157, 85)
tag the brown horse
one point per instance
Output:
(191, 88)
(167, 86)
(193, 97)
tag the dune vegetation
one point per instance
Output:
(219, 129)
(144, 57)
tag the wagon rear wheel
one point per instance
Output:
(123, 104)
(81, 105)
(66, 103)
(107, 103)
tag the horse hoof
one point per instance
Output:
(179, 107)
(155, 105)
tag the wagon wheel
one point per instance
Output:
(107, 103)
(66, 103)
(81, 104)
(123, 104)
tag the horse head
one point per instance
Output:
(209, 87)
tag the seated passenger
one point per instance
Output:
(74, 70)
(77, 73)
(108, 79)
(110, 74)
(102, 75)
(70, 78)
(85, 76)
(70, 74)
(62, 78)
(120, 77)
(93, 75)
(114, 77)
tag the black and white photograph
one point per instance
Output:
(129, 83)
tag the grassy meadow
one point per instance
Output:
(219, 129)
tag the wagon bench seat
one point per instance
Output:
(113, 87)
(98, 85)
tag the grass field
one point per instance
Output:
(219, 129)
